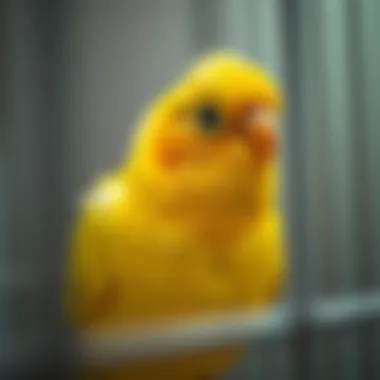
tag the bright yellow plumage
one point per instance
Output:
(189, 223)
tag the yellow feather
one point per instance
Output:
(154, 243)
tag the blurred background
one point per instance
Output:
(75, 75)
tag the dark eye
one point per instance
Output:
(209, 117)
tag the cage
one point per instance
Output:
(75, 72)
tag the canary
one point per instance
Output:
(189, 222)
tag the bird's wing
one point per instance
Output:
(88, 269)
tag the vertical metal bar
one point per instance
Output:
(369, 24)
(5, 312)
(328, 217)
(5, 254)
(315, 153)
(295, 140)
(371, 50)
(317, 173)
(359, 133)
(370, 16)
(39, 204)
(25, 164)
(51, 17)
(342, 259)
(336, 80)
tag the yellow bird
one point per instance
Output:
(189, 223)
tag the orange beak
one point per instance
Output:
(257, 125)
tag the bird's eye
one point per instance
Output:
(209, 118)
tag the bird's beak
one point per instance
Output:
(260, 129)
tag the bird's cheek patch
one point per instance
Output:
(173, 150)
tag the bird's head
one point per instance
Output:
(213, 135)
